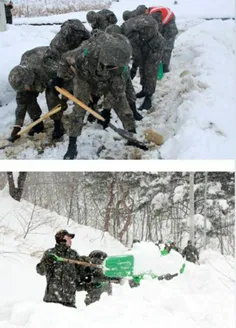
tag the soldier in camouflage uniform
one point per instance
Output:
(28, 80)
(101, 19)
(70, 36)
(130, 92)
(191, 253)
(99, 283)
(165, 19)
(63, 279)
(100, 64)
(147, 45)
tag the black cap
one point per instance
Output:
(59, 236)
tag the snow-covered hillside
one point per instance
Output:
(202, 297)
(194, 105)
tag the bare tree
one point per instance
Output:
(16, 191)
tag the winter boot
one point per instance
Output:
(72, 149)
(14, 132)
(36, 129)
(141, 94)
(91, 118)
(129, 142)
(106, 113)
(165, 68)
(147, 104)
(58, 129)
(137, 116)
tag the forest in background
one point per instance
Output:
(144, 205)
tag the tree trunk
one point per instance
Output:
(16, 192)
(109, 206)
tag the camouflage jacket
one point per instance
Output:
(144, 36)
(70, 36)
(33, 59)
(104, 18)
(63, 279)
(85, 59)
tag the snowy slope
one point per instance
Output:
(42, 225)
(194, 105)
(200, 298)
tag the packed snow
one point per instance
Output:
(201, 297)
(194, 104)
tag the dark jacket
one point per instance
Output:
(63, 279)
(191, 253)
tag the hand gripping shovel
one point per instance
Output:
(123, 133)
(113, 266)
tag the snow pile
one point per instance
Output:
(197, 99)
(148, 259)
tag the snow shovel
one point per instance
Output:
(123, 133)
(30, 126)
(113, 266)
(42, 118)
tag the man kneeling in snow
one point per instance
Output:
(63, 279)
(98, 283)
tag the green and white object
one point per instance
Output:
(160, 73)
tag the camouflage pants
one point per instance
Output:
(27, 103)
(169, 32)
(82, 91)
(95, 293)
(129, 91)
(125, 116)
(148, 71)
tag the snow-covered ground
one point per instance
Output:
(202, 297)
(194, 105)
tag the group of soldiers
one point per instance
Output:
(64, 278)
(190, 252)
(94, 67)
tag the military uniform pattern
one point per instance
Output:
(191, 253)
(148, 45)
(99, 284)
(103, 19)
(169, 32)
(92, 78)
(63, 279)
(27, 100)
(70, 36)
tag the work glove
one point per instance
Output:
(50, 260)
(133, 72)
(56, 82)
(106, 113)
(14, 132)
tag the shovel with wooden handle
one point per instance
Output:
(53, 111)
(123, 133)
(113, 266)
